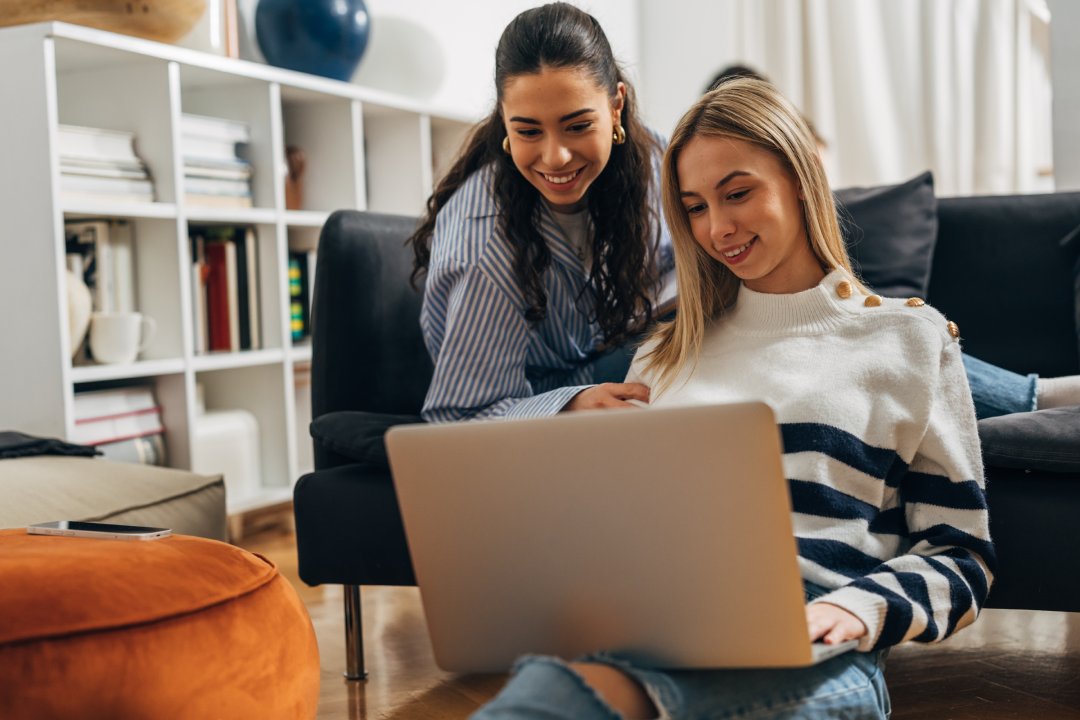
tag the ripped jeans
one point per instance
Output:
(850, 686)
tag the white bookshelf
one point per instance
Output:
(365, 149)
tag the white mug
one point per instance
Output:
(119, 337)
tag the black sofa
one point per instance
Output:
(998, 269)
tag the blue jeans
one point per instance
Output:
(997, 391)
(849, 686)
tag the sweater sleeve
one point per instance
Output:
(478, 339)
(939, 585)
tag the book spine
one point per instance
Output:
(200, 272)
(95, 404)
(122, 245)
(217, 296)
(243, 295)
(115, 429)
(145, 450)
(233, 295)
(252, 243)
(296, 307)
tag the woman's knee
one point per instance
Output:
(618, 690)
(547, 687)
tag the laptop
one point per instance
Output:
(662, 535)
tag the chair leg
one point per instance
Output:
(354, 635)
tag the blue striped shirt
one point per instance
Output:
(489, 360)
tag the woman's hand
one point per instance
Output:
(833, 624)
(609, 395)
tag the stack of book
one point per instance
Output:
(124, 423)
(215, 171)
(225, 288)
(102, 254)
(98, 165)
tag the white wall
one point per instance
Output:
(683, 45)
(444, 52)
(1065, 50)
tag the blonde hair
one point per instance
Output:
(754, 111)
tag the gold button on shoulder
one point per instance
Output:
(872, 301)
(915, 302)
(843, 289)
(954, 329)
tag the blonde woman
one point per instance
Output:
(878, 427)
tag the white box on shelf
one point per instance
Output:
(227, 442)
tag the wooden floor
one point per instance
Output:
(1011, 664)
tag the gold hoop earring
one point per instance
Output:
(506, 144)
(619, 135)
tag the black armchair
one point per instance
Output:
(370, 370)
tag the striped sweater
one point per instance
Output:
(489, 360)
(880, 449)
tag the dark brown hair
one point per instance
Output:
(620, 201)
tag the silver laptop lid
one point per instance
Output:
(662, 534)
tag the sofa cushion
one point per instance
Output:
(890, 232)
(358, 435)
(1046, 440)
(53, 487)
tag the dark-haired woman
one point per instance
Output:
(542, 243)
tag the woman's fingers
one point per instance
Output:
(832, 623)
(628, 391)
(609, 395)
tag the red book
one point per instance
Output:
(217, 297)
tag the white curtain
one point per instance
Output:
(961, 87)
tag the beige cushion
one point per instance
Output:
(51, 487)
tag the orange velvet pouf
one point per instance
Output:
(176, 628)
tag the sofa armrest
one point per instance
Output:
(1043, 440)
(354, 437)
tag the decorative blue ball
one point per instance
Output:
(324, 37)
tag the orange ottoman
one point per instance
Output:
(176, 628)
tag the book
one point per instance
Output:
(114, 428)
(222, 171)
(110, 170)
(122, 252)
(233, 295)
(233, 201)
(296, 290)
(200, 149)
(199, 273)
(216, 186)
(100, 184)
(206, 126)
(247, 287)
(70, 198)
(217, 296)
(74, 141)
(144, 450)
(98, 404)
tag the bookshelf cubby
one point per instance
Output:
(363, 149)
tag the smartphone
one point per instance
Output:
(78, 528)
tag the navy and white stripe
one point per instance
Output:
(490, 361)
(880, 450)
